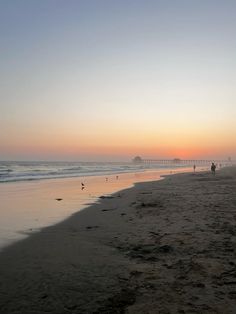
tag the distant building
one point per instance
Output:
(176, 160)
(137, 160)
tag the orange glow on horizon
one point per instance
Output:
(172, 151)
(124, 143)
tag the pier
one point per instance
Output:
(139, 160)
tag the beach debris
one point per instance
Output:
(146, 193)
(149, 204)
(44, 296)
(58, 199)
(92, 227)
(106, 197)
(108, 209)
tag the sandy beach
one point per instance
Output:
(159, 247)
(28, 206)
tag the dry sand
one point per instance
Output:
(160, 247)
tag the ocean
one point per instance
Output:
(12, 171)
(29, 191)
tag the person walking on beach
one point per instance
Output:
(213, 168)
(194, 168)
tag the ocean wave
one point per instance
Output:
(73, 169)
(28, 171)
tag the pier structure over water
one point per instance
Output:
(139, 160)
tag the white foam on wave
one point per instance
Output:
(27, 171)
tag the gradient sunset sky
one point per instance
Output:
(108, 80)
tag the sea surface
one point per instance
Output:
(25, 171)
(34, 195)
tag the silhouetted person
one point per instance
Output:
(82, 186)
(194, 168)
(213, 168)
(117, 177)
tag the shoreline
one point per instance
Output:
(165, 246)
(77, 175)
(29, 206)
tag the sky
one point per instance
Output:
(107, 80)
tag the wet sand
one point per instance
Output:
(27, 207)
(160, 247)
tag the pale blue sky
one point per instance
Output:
(70, 68)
